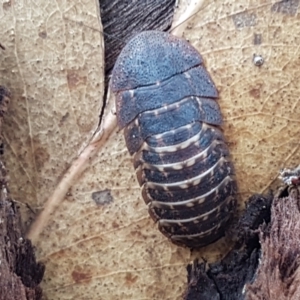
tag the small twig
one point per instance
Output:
(100, 137)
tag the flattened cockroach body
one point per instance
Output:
(166, 103)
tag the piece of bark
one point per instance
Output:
(123, 19)
(278, 275)
(20, 274)
(226, 279)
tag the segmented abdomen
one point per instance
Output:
(171, 128)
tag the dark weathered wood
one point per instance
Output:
(20, 274)
(226, 279)
(122, 19)
(265, 263)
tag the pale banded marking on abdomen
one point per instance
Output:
(198, 224)
(175, 136)
(207, 202)
(203, 217)
(197, 160)
(190, 202)
(197, 235)
(179, 146)
(183, 184)
(182, 164)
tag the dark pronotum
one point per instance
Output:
(166, 103)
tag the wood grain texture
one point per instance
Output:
(123, 19)
(278, 274)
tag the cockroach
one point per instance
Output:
(166, 102)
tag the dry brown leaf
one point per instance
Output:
(103, 245)
(54, 68)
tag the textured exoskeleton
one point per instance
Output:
(166, 103)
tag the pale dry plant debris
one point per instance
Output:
(290, 176)
(187, 10)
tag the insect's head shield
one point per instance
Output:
(152, 56)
